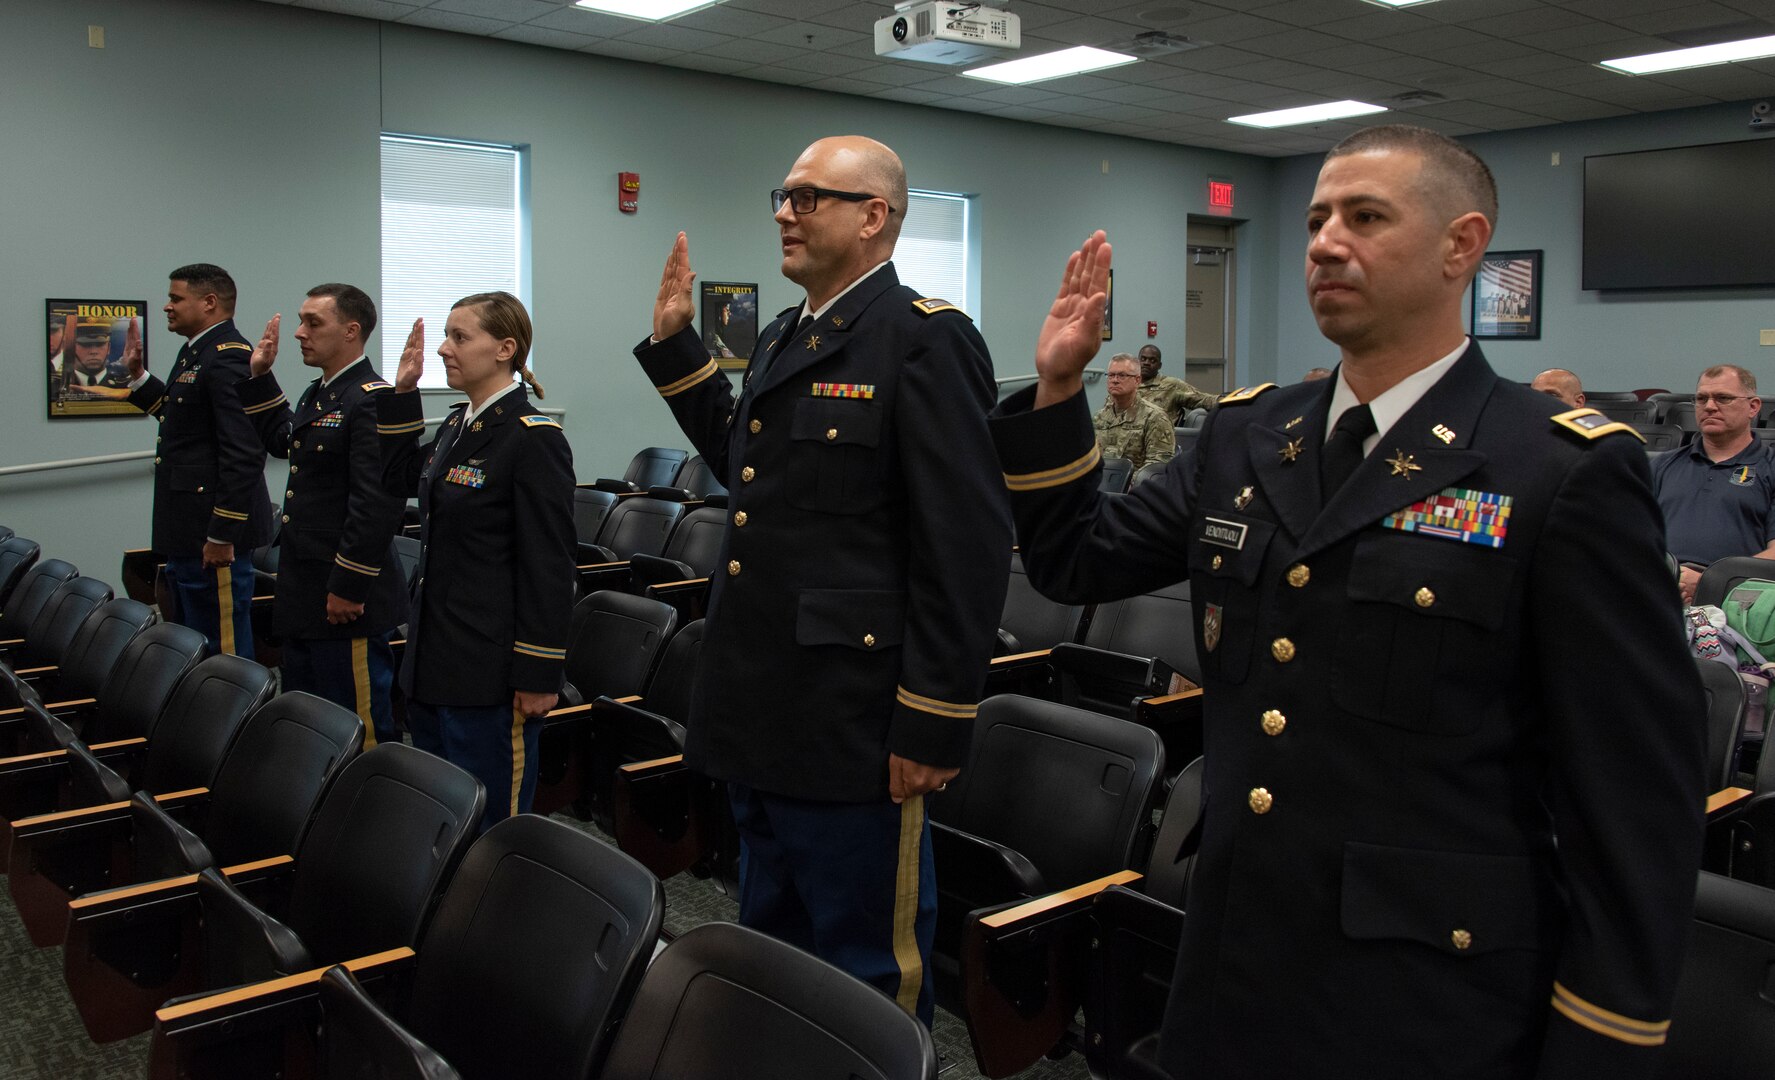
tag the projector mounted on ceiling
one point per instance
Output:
(945, 32)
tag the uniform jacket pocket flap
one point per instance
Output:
(1436, 578)
(1456, 902)
(863, 619)
(192, 479)
(1229, 546)
(838, 421)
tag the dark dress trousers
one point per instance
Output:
(494, 592)
(209, 469)
(863, 571)
(1454, 741)
(339, 522)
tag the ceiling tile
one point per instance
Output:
(796, 9)
(757, 52)
(1130, 94)
(507, 10)
(799, 34)
(1092, 31)
(714, 65)
(1301, 12)
(629, 50)
(450, 20)
(1232, 29)
(369, 9)
(674, 37)
(727, 19)
(785, 75)
(1538, 19)
(577, 20)
(895, 74)
(1675, 19)
(542, 35)
(908, 94)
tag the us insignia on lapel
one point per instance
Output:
(865, 391)
(1460, 514)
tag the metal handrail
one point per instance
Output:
(138, 455)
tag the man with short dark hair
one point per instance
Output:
(340, 589)
(1128, 427)
(1435, 841)
(1172, 396)
(1718, 492)
(863, 574)
(1560, 384)
(210, 506)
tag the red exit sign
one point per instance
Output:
(1220, 194)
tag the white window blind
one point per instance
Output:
(451, 226)
(933, 255)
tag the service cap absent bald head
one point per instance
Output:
(1453, 178)
(1562, 384)
(867, 166)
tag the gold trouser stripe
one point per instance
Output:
(688, 381)
(906, 952)
(517, 757)
(1048, 478)
(225, 600)
(360, 684)
(1612, 1024)
(932, 705)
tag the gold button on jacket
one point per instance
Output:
(755, 426)
(1282, 649)
(748, 473)
(733, 568)
(1260, 800)
(1274, 722)
(739, 518)
(1424, 597)
(1299, 575)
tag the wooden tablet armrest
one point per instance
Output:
(567, 712)
(641, 770)
(1724, 801)
(171, 888)
(37, 670)
(63, 818)
(11, 641)
(71, 703)
(594, 567)
(1053, 906)
(687, 585)
(1022, 659)
(257, 995)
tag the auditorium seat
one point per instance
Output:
(656, 465)
(1030, 620)
(691, 551)
(1723, 716)
(1115, 475)
(698, 478)
(590, 508)
(1661, 436)
(640, 525)
(1146, 472)
(87, 663)
(1680, 415)
(138, 572)
(1108, 947)
(135, 690)
(1724, 575)
(1192, 419)
(614, 642)
(364, 879)
(535, 952)
(53, 630)
(28, 599)
(287, 753)
(1722, 1025)
(17, 556)
(183, 750)
(1186, 439)
(759, 1007)
(1050, 797)
(1592, 397)
(1629, 412)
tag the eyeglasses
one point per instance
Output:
(806, 200)
(1722, 400)
(1122, 375)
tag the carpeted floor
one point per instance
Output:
(41, 1037)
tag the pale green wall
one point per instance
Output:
(1614, 341)
(245, 134)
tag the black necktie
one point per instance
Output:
(762, 363)
(1343, 451)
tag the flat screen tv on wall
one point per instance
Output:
(1687, 217)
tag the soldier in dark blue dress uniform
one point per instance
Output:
(863, 572)
(340, 590)
(487, 641)
(1454, 788)
(210, 506)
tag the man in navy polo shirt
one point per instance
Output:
(1718, 493)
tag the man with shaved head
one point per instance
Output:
(862, 573)
(1562, 384)
(1434, 842)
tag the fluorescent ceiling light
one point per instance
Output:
(1054, 65)
(1400, 3)
(1700, 56)
(651, 10)
(1307, 114)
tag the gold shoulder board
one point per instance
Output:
(539, 421)
(1593, 425)
(932, 306)
(376, 385)
(1245, 393)
(233, 345)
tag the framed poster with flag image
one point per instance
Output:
(1507, 296)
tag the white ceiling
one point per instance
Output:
(1497, 64)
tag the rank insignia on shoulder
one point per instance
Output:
(226, 345)
(932, 306)
(1592, 424)
(866, 391)
(1245, 393)
(539, 421)
(376, 385)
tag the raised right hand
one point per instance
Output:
(672, 309)
(265, 353)
(1073, 330)
(132, 347)
(412, 366)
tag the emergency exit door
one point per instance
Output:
(1208, 307)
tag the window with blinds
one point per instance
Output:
(935, 255)
(452, 225)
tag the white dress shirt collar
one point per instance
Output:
(1395, 402)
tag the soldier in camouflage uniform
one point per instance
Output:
(1172, 396)
(1128, 427)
